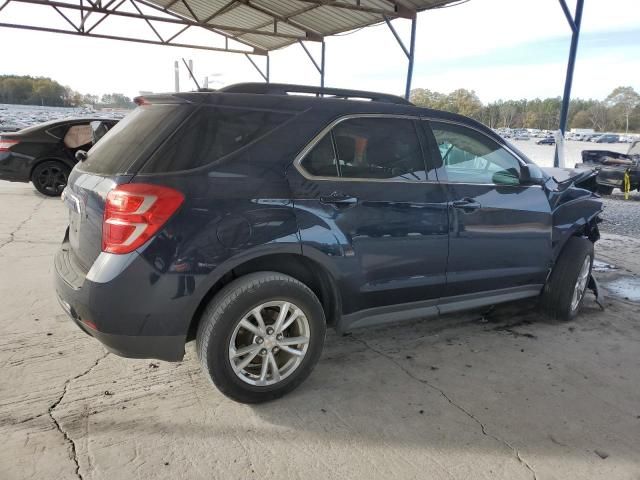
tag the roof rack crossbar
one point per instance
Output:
(285, 89)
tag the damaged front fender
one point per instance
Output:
(574, 206)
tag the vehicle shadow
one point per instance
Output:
(489, 391)
(509, 376)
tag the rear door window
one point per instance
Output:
(377, 148)
(212, 133)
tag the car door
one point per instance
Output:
(500, 229)
(367, 206)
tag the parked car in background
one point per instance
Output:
(8, 127)
(521, 136)
(607, 138)
(592, 137)
(44, 154)
(254, 217)
(546, 141)
(611, 167)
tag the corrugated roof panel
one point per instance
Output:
(243, 17)
(283, 7)
(267, 43)
(381, 4)
(328, 20)
(324, 19)
(203, 8)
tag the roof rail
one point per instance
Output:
(285, 89)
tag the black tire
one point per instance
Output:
(604, 189)
(558, 293)
(50, 177)
(225, 311)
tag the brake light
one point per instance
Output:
(135, 212)
(7, 143)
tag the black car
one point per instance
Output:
(546, 141)
(45, 154)
(613, 167)
(253, 218)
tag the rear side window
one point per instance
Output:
(368, 148)
(212, 133)
(58, 131)
(132, 138)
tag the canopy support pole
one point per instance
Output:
(574, 23)
(263, 74)
(409, 52)
(320, 68)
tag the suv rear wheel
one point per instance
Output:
(565, 290)
(261, 336)
(50, 177)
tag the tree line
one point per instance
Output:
(618, 112)
(26, 90)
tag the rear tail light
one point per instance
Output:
(134, 212)
(7, 143)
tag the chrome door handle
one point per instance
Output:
(339, 199)
(466, 204)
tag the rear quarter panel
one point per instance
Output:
(234, 210)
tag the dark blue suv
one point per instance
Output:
(254, 217)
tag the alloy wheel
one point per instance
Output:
(581, 283)
(52, 179)
(269, 343)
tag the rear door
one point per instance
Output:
(500, 230)
(109, 163)
(366, 204)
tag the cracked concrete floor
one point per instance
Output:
(505, 395)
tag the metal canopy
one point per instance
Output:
(297, 19)
(256, 27)
(252, 26)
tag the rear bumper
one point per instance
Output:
(169, 348)
(129, 318)
(13, 168)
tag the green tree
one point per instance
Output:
(624, 100)
(581, 119)
(465, 102)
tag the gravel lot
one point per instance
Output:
(622, 216)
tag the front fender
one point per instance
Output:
(576, 212)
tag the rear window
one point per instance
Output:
(212, 133)
(132, 138)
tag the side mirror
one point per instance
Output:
(506, 177)
(81, 155)
(530, 174)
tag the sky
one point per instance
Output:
(508, 49)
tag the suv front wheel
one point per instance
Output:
(261, 336)
(566, 287)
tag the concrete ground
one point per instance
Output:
(499, 395)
